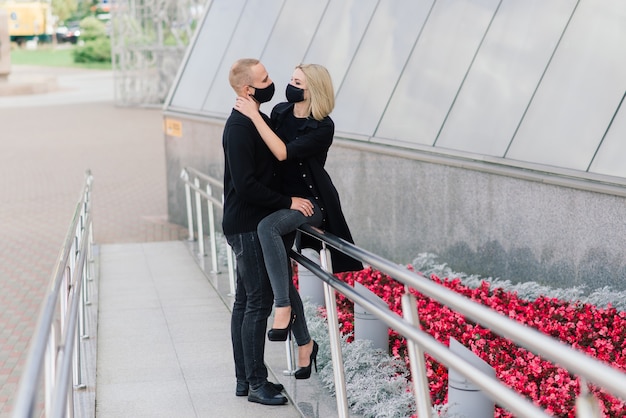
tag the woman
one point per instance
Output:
(301, 136)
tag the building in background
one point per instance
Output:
(29, 19)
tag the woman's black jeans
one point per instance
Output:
(276, 234)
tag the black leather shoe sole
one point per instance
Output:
(266, 395)
(243, 388)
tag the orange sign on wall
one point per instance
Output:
(173, 127)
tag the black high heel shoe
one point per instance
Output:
(305, 372)
(280, 334)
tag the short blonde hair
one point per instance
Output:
(240, 74)
(321, 90)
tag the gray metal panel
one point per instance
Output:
(580, 91)
(210, 45)
(436, 70)
(250, 37)
(611, 157)
(504, 75)
(289, 42)
(339, 35)
(378, 63)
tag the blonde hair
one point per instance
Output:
(240, 74)
(321, 90)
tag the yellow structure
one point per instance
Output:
(5, 46)
(27, 19)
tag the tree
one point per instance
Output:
(64, 9)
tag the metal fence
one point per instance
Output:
(148, 42)
(61, 325)
(588, 369)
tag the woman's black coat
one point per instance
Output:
(310, 149)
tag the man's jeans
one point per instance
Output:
(252, 307)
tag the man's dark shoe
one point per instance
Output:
(267, 395)
(242, 388)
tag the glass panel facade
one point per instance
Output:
(210, 45)
(527, 80)
(577, 97)
(378, 63)
(289, 42)
(504, 75)
(339, 35)
(440, 61)
(254, 27)
(612, 153)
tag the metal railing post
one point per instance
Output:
(84, 334)
(50, 368)
(196, 183)
(82, 320)
(212, 238)
(231, 270)
(231, 263)
(86, 275)
(416, 357)
(78, 363)
(291, 356)
(334, 339)
(185, 176)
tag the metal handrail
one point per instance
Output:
(219, 203)
(215, 182)
(410, 330)
(592, 370)
(589, 369)
(64, 305)
(552, 349)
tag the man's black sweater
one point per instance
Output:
(250, 177)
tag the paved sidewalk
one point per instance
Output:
(164, 339)
(47, 141)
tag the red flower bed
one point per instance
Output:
(597, 332)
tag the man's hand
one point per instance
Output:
(303, 205)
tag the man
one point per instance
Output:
(250, 184)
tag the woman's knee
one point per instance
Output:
(267, 229)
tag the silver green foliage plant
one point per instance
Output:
(376, 383)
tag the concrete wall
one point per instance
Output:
(199, 147)
(399, 204)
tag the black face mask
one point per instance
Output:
(263, 95)
(294, 94)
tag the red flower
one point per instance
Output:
(598, 332)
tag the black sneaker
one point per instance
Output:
(267, 395)
(242, 388)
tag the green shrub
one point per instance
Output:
(92, 28)
(97, 46)
(96, 50)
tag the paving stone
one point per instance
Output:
(47, 143)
